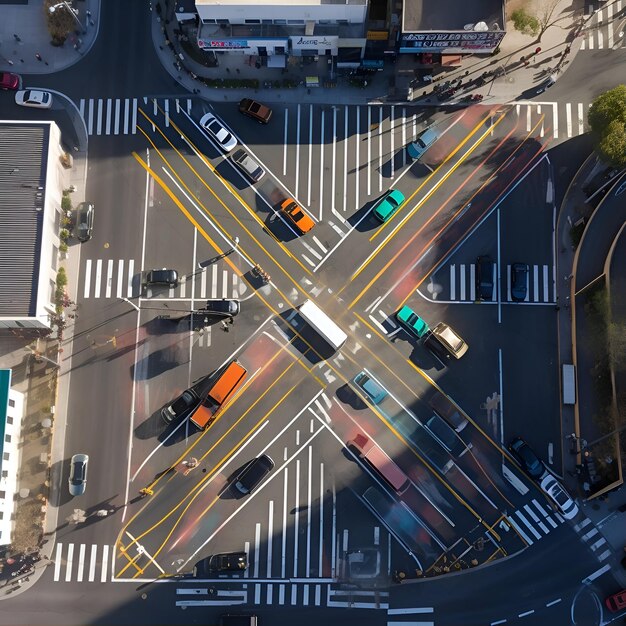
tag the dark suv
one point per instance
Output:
(253, 473)
(185, 402)
(221, 308)
(484, 278)
(225, 562)
(529, 461)
(168, 278)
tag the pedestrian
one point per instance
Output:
(16, 38)
(38, 56)
(10, 62)
(537, 50)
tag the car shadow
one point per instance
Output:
(347, 395)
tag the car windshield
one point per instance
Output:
(79, 473)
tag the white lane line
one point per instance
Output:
(536, 283)
(581, 525)
(203, 283)
(452, 282)
(380, 149)
(109, 284)
(404, 123)
(120, 278)
(283, 564)
(500, 621)
(99, 117)
(333, 549)
(334, 177)
(568, 118)
(285, 144)
(213, 282)
(307, 572)
(246, 549)
(257, 560)
(598, 543)
(281, 594)
(546, 284)
(57, 562)
(345, 159)
(555, 113)
(92, 562)
(105, 563)
(116, 124)
(296, 525)
(87, 278)
(270, 534)
(321, 506)
(81, 108)
(544, 513)
(134, 125)
(605, 555)
(527, 613)
(596, 574)
(90, 117)
(528, 120)
(68, 563)
(392, 137)
(107, 125)
(609, 19)
(81, 563)
(549, 604)
(528, 525)
(541, 525)
(167, 112)
(462, 276)
(224, 284)
(305, 595)
(96, 289)
(590, 534)
(357, 157)
(581, 119)
(131, 271)
(310, 153)
(600, 40)
(298, 150)
(126, 114)
(318, 595)
(524, 536)
(369, 151)
(322, 151)
(426, 609)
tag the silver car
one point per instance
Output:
(215, 129)
(78, 474)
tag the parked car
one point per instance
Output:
(484, 278)
(164, 277)
(217, 131)
(444, 408)
(412, 321)
(567, 507)
(388, 205)
(444, 341)
(417, 148)
(296, 216)
(372, 389)
(10, 81)
(225, 562)
(525, 456)
(187, 401)
(239, 619)
(519, 281)
(221, 308)
(255, 110)
(616, 602)
(84, 221)
(248, 165)
(34, 98)
(253, 473)
(78, 474)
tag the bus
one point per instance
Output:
(322, 324)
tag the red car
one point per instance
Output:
(10, 81)
(616, 602)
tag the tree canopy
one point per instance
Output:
(607, 119)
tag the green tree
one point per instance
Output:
(607, 119)
(525, 22)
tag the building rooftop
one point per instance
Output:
(23, 164)
(447, 15)
(254, 3)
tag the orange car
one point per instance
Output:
(616, 602)
(296, 215)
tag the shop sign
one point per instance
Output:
(377, 35)
(463, 40)
(223, 44)
(314, 42)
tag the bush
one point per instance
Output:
(64, 234)
(61, 278)
(607, 119)
(525, 22)
(63, 247)
(66, 202)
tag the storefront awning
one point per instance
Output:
(451, 60)
(312, 81)
(276, 60)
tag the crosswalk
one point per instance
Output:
(118, 116)
(534, 521)
(89, 563)
(117, 278)
(594, 539)
(554, 119)
(605, 29)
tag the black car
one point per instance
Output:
(529, 461)
(253, 473)
(168, 278)
(84, 221)
(484, 278)
(519, 281)
(185, 402)
(225, 562)
(221, 308)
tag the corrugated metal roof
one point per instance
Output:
(23, 163)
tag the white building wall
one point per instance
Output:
(10, 465)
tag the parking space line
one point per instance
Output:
(285, 143)
(546, 284)
(452, 282)
(380, 149)
(307, 571)
(270, 534)
(392, 137)
(107, 125)
(369, 151)
(536, 283)
(283, 563)
(322, 150)
(404, 123)
(345, 159)
(133, 127)
(334, 177)
(310, 153)
(462, 280)
(298, 151)
(126, 115)
(99, 117)
(296, 524)
(203, 283)
(321, 541)
(357, 157)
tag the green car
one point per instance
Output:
(388, 205)
(412, 321)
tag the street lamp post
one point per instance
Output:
(73, 12)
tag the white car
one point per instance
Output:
(217, 131)
(34, 98)
(550, 486)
